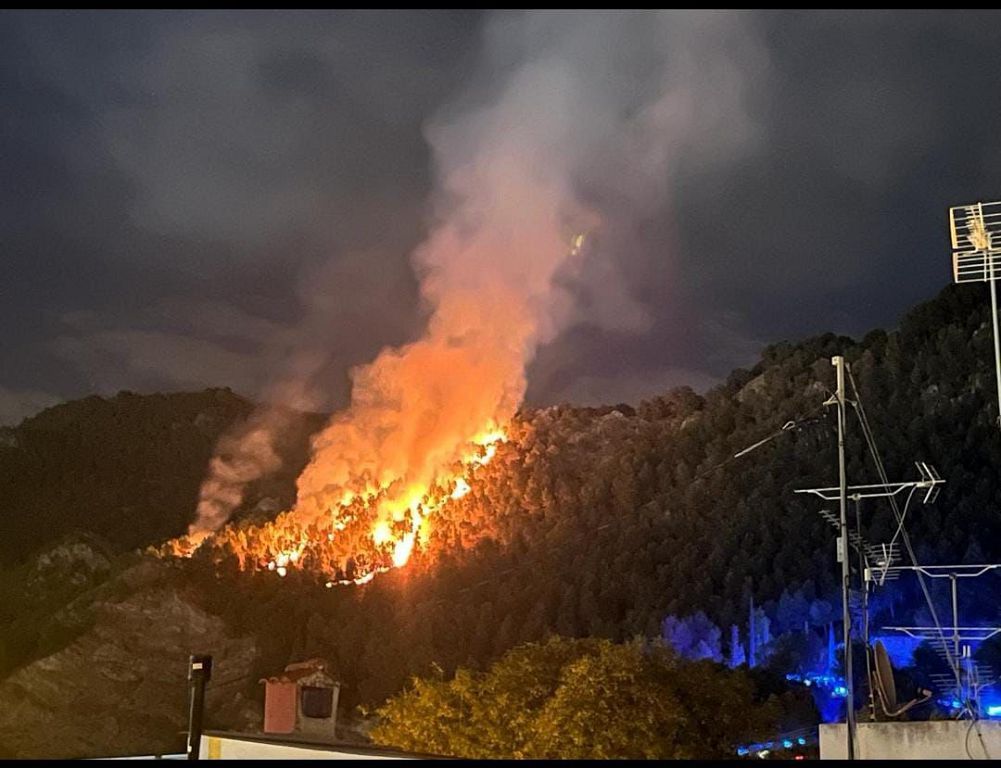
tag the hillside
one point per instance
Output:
(127, 468)
(604, 521)
(117, 685)
(588, 522)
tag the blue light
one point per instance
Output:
(899, 648)
(840, 690)
(994, 711)
(786, 743)
(743, 751)
(801, 741)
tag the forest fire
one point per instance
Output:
(498, 273)
(363, 535)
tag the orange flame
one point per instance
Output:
(397, 526)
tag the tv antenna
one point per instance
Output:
(929, 480)
(968, 677)
(976, 258)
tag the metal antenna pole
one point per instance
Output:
(955, 617)
(864, 570)
(883, 556)
(955, 637)
(997, 341)
(839, 363)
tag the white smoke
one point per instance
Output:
(573, 122)
(596, 103)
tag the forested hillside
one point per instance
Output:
(127, 468)
(589, 521)
(601, 522)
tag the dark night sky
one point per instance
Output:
(192, 199)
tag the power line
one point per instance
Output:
(790, 426)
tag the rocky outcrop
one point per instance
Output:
(120, 688)
(81, 559)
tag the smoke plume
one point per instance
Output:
(240, 457)
(592, 109)
(573, 123)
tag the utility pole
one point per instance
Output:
(838, 362)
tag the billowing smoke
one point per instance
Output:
(241, 457)
(573, 123)
(249, 450)
(590, 104)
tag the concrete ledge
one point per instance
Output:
(926, 740)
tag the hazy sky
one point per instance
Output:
(226, 198)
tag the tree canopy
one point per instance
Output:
(579, 699)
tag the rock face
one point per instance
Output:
(79, 560)
(120, 688)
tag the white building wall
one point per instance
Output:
(223, 748)
(926, 740)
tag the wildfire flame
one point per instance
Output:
(426, 416)
(394, 528)
(498, 273)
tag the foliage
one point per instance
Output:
(694, 637)
(579, 699)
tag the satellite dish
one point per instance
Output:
(887, 688)
(884, 679)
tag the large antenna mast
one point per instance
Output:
(968, 677)
(976, 258)
(842, 492)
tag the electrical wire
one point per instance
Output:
(790, 426)
(874, 451)
(975, 723)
